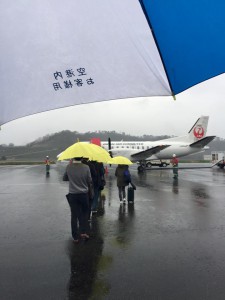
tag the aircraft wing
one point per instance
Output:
(203, 142)
(147, 153)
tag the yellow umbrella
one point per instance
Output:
(100, 154)
(87, 150)
(119, 160)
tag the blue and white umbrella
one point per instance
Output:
(62, 53)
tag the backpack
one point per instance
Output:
(127, 177)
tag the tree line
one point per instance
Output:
(53, 144)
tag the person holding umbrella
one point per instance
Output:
(122, 174)
(94, 177)
(80, 183)
(80, 187)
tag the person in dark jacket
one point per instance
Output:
(122, 181)
(94, 176)
(99, 185)
(80, 185)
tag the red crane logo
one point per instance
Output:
(199, 132)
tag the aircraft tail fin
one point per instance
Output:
(198, 130)
(196, 133)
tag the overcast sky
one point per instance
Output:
(139, 116)
(112, 44)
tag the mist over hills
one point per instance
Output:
(55, 143)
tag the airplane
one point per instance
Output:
(143, 151)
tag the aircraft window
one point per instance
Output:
(143, 147)
(128, 147)
(122, 147)
(137, 147)
(132, 147)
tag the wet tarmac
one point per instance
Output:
(168, 245)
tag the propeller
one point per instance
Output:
(109, 147)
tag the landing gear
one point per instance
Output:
(149, 165)
(142, 167)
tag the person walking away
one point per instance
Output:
(97, 184)
(122, 180)
(47, 164)
(101, 183)
(94, 177)
(80, 184)
(174, 161)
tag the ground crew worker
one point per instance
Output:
(174, 161)
(47, 164)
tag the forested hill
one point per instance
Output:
(66, 138)
(55, 143)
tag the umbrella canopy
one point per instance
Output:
(82, 149)
(97, 50)
(119, 160)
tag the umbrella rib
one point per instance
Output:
(157, 45)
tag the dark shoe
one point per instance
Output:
(76, 241)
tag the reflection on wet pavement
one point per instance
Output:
(168, 244)
(87, 262)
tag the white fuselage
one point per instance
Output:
(140, 151)
(126, 148)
